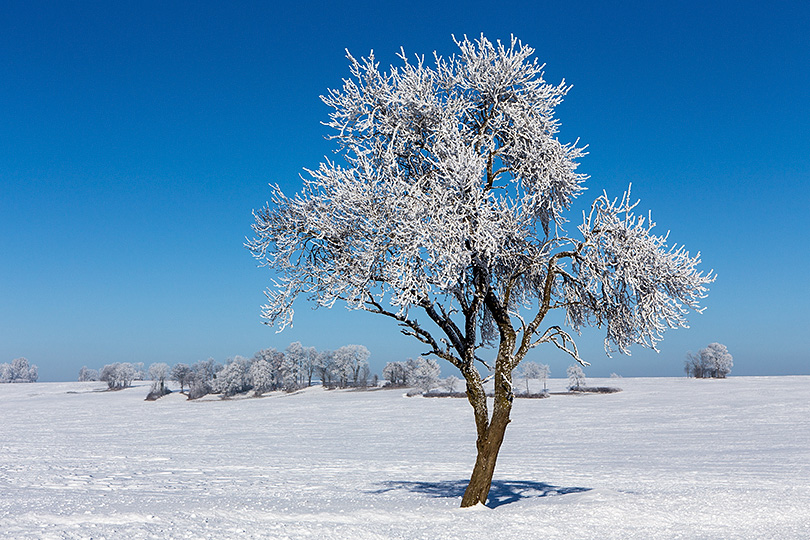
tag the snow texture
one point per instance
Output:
(665, 458)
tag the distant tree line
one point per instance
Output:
(18, 371)
(712, 362)
(268, 370)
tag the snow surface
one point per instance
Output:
(665, 458)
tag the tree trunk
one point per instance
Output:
(488, 448)
(490, 435)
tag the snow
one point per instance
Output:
(664, 458)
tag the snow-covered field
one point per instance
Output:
(665, 458)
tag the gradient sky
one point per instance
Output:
(136, 138)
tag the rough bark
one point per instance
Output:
(490, 432)
(488, 447)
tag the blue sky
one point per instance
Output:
(136, 138)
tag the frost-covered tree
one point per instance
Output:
(325, 365)
(118, 375)
(182, 374)
(720, 360)
(349, 364)
(396, 373)
(293, 370)
(18, 371)
(86, 374)
(576, 377)
(234, 378)
(201, 380)
(158, 373)
(422, 373)
(310, 363)
(262, 376)
(140, 373)
(450, 384)
(445, 212)
(533, 370)
(275, 363)
(714, 361)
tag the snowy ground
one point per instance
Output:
(665, 458)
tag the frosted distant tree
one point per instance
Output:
(118, 375)
(234, 378)
(396, 373)
(262, 376)
(450, 384)
(576, 377)
(422, 373)
(201, 380)
(18, 371)
(126, 373)
(533, 370)
(275, 361)
(158, 373)
(349, 363)
(447, 203)
(310, 363)
(206, 370)
(720, 361)
(86, 374)
(696, 366)
(714, 361)
(326, 368)
(182, 374)
(139, 372)
(293, 370)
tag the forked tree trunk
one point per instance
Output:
(488, 448)
(490, 433)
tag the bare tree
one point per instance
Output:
(448, 203)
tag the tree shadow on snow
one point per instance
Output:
(502, 491)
